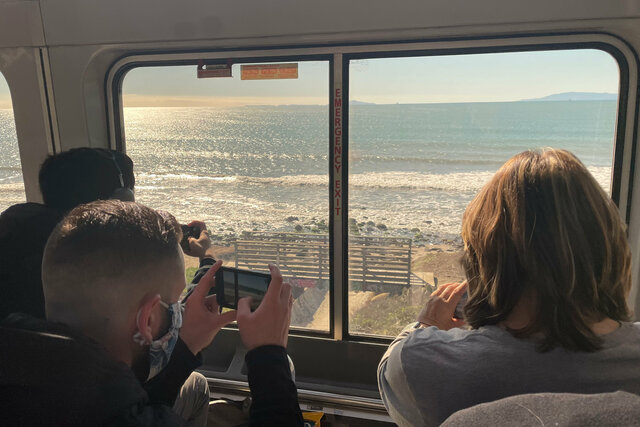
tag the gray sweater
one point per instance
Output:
(428, 374)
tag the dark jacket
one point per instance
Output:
(52, 375)
(24, 230)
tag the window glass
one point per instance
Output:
(248, 157)
(11, 182)
(426, 133)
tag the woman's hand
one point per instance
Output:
(439, 309)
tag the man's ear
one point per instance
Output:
(146, 318)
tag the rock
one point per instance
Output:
(381, 226)
(298, 228)
(292, 218)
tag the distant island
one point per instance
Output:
(356, 102)
(577, 96)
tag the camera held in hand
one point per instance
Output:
(188, 231)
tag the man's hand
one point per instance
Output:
(202, 319)
(200, 247)
(269, 324)
(439, 309)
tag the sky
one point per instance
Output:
(455, 78)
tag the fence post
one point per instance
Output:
(364, 267)
(235, 250)
(409, 268)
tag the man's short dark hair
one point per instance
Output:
(82, 175)
(108, 241)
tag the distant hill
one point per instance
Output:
(577, 96)
(356, 102)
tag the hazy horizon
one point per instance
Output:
(470, 78)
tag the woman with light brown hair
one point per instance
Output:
(548, 271)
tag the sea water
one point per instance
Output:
(412, 168)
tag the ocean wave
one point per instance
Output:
(433, 160)
(11, 186)
(448, 182)
(144, 177)
(471, 181)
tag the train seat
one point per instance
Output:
(558, 409)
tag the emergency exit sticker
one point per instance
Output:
(269, 71)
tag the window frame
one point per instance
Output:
(619, 141)
(121, 142)
(339, 57)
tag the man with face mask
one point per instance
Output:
(113, 273)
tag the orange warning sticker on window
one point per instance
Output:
(269, 71)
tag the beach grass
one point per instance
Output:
(189, 272)
(388, 316)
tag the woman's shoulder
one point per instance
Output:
(627, 333)
(460, 341)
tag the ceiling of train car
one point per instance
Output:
(20, 23)
(73, 22)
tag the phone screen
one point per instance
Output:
(252, 285)
(228, 288)
(233, 284)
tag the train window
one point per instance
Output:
(248, 157)
(425, 134)
(11, 182)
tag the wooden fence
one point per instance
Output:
(373, 261)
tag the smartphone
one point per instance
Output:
(188, 231)
(233, 284)
(459, 312)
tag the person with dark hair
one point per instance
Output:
(82, 175)
(113, 273)
(67, 180)
(548, 271)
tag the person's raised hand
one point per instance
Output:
(439, 309)
(269, 324)
(200, 247)
(202, 319)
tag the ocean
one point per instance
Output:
(413, 168)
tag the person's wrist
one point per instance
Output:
(190, 342)
(207, 254)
